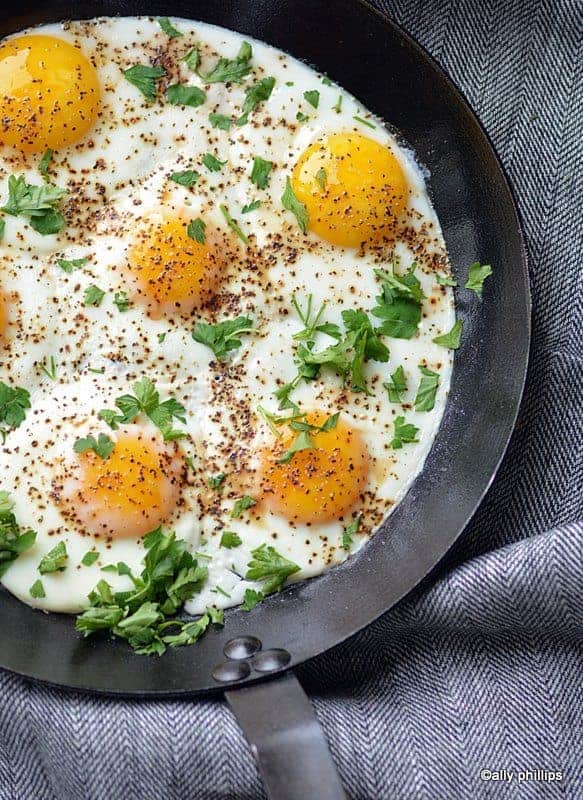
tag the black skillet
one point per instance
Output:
(395, 78)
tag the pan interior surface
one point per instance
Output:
(393, 77)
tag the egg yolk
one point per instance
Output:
(172, 272)
(129, 493)
(354, 189)
(49, 93)
(318, 484)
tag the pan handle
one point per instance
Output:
(286, 740)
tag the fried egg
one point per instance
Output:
(189, 201)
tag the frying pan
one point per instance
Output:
(249, 658)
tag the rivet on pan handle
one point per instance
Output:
(286, 740)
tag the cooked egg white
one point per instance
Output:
(126, 232)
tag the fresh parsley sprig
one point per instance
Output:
(405, 433)
(272, 568)
(230, 70)
(259, 93)
(222, 337)
(102, 446)
(13, 539)
(37, 203)
(399, 304)
(145, 78)
(14, 403)
(146, 400)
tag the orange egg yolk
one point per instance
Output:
(354, 189)
(49, 93)
(129, 493)
(319, 484)
(172, 272)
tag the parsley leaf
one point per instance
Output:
(90, 557)
(397, 385)
(220, 121)
(405, 433)
(122, 301)
(55, 560)
(445, 280)
(321, 178)
(231, 70)
(313, 97)
(312, 324)
(145, 79)
(50, 368)
(37, 203)
(37, 590)
(425, 399)
(338, 106)
(2, 228)
(271, 567)
(14, 403)
(222, 337)
(301, 117)
(169, 28)
(349, 533)
(196, 230)
(256, 94)
(233, 224)
(476, 277)
(146, 400)
(13, 541)
(260, 172)
(69, 266)
(251, 598)
(452, 338)
(399, 304)
(192, 59)
(251, 207)
(363, 121)
(303, 441)
(43, 167)
(93, 295)
(217, 481)
(182, 95)
(242, 504)
(186, 178)
(291, 203)
(230, 540)
(102, 446)
(212, 163)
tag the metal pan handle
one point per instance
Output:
(286, 740)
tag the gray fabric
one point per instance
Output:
(483, 670)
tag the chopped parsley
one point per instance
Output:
(196, 230)
(122, 301)
(326, 81)
(222, 337)
(476, 277)
(45, 161)
(254, 96)
(399, 304)
(192, 59)
(251, 207)
(2, 228)
(146, 400)
(445, 280)
(37, 203)
(102, 446)
(291, 203)
(303, 440)
(14, 403)
(69, 265)
(93, 296)
(405, 433)
(321, 178)
(301, 117)
(452, 338)
(271, 567)
(397, 386)
(37, 590)
(311, 321)
(145, 615)
(231, 70)
(186, 178)
(50, 368)
(145, 79)
(350, 532)
(312, 97)
(169, 28)
(425, 399)
(55, 560)
(212, 163)
(220, 121)
(242, 504)
(182, 95)
(260, 172)
(233, 224)
(217, 481)
(338, 107)
(251, 598)
(363, 121)
(90, 557)
(230, 540)
(13, 540)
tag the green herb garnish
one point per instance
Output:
(231, 70)
(196, 230)
(37, 203)
(254, 96)
(102, 446)
(90, 557)
(476, 277)
(55, 560)
(182, 95)
(122, 301)
(217, 481)
(186, 178)
(93, 296)
(425, 399)
(212, 163)
(349, 533)
(230, 540)
(452, 338)
(260, 172)
(69, 265)
(220, 121)
(222, 337)
(37, 590)
(312, 97)
(145, 79)
(233, 224)
(251, 207)
(13, 540)
(14, 403)
(242, 504)
(291, 203)
(169, 28)
(146, 400)
(397, 386)
(405, 433)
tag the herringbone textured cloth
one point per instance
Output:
(484, 669)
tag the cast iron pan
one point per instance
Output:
(397, 79)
